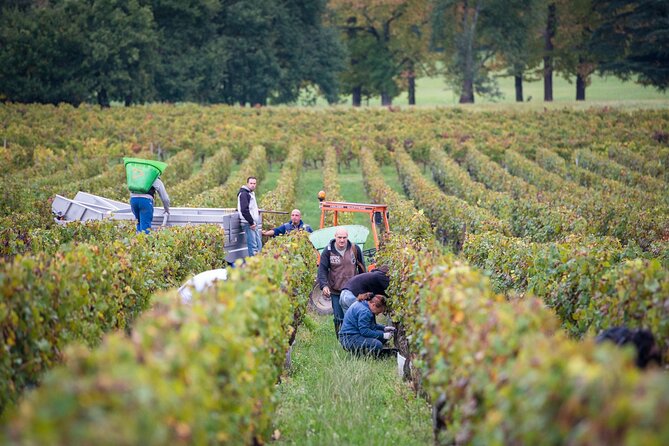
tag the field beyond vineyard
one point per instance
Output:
(517, 235)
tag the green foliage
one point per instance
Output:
(198, 373)
(630, 40)
(131, 51)
(42, 56)
(386, 43)
(560, 392)
(214, 172)
(591, 283)
(610, 214)
(78, 51)
(282, 197)
(81, 291)
(527, 218)
(225, 195)
(451, 217)
(403, 217)
(500, 372)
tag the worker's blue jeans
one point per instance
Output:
(142, 209)
(253, 239)
(346, 299)
(337, 311)
(360, 344)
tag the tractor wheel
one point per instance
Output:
(321, 304)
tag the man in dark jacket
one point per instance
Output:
(340, 261)
(374, 282)
(249, 214)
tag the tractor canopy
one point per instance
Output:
(356, 234)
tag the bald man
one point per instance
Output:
(341, 259)
(295, 223)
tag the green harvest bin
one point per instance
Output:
(140, 173)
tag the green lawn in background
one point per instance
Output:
(609, 90)
(434, 91)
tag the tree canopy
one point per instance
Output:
(272, 51)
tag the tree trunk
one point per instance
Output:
(580, 88)
(549, 34)
(357, 96)
(386, 99)
(519, 87)
(411, 76)
(103, 99)
(467, 95)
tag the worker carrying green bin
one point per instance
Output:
(143, 178)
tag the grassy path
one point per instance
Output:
(269, 183)
(353, 189)
(310, 182)
(389, 173)
(330, 397)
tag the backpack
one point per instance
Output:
(359, 265)
(140, 174)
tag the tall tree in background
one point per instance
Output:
(576, 21)
(549, 37)
(192, 53)
(253, 66)
(234, 51)
(121, 55)
(310, 53)
(413, 46)
(42, 56)
(633, 40)
(385, 39)
(276, 49)
(470, 30)
(78, 50)
(516, 33)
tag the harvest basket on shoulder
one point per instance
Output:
(141, 173)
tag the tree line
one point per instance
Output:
(273, 51)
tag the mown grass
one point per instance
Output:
(389, 173)
(330, 397)
(602, 91)
(434, 91)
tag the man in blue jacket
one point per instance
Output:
(295, 223)
(360, 333)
